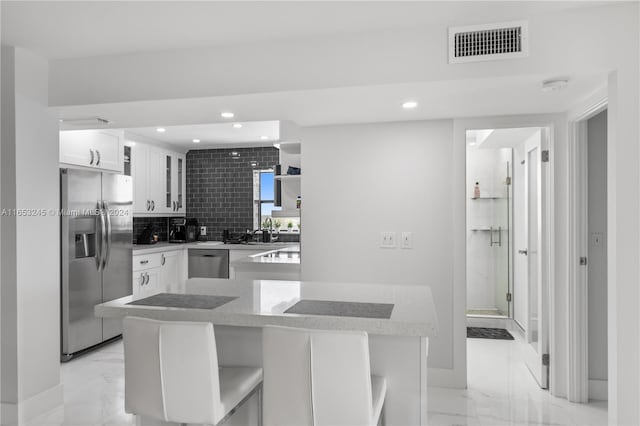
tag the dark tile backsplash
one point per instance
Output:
(161, 224)
(220, 188)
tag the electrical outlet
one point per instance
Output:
(203, 230)
(388, 239)
(407, 240)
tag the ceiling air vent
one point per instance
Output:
(506, 40)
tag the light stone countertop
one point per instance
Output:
(212, 245)
(262, 302)
(288, 257)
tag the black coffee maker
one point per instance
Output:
(177, 230)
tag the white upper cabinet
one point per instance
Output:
(93, 149)
(158, 180)
(179, 192)
(140, 177)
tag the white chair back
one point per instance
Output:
(316, 378)
(286, 358)
(171, 371)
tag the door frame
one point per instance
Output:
(578, 295)
(555, 124)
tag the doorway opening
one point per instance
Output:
(507, 210)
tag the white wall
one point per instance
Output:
(360, 180)
(30, 244)
(623, 230)
(597, 257)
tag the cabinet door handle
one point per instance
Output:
(146, 278)
(153, 205)
(148, 205)
(144, 262)
(141, 279)
(91, 162)
(98, 154)
(163, 259)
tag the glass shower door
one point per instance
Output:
(488, 232)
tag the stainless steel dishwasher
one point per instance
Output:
(208, 263)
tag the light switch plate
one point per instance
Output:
(388, 239)
(406, 241)
(203, 230)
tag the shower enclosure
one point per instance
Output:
(489, 238)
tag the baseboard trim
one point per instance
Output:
(598, 389)
(14, 414)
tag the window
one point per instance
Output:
(263, 196)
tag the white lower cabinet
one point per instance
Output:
(158, 272)
(169, 270)
(146, 283)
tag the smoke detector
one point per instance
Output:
(555, 84)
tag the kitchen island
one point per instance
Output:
(398, 337)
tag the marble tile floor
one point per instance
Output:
(93, 390)
(501, 392)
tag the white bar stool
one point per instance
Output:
(319, 378)
(171, 373)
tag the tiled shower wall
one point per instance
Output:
(220, 188)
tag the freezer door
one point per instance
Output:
(81, 276)
(117, 195)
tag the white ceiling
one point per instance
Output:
(63, 29)
(503, 138)
(214, 135)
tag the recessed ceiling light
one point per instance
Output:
(472, 144)
(60, 121)
(161, 130)
(409, 105)
(196, 141)
(555, 84)
(237, 125)
(227, 114)
(264, 138)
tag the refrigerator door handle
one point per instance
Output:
(107, 216)
(103, 236)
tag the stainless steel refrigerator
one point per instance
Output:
(96, 244)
